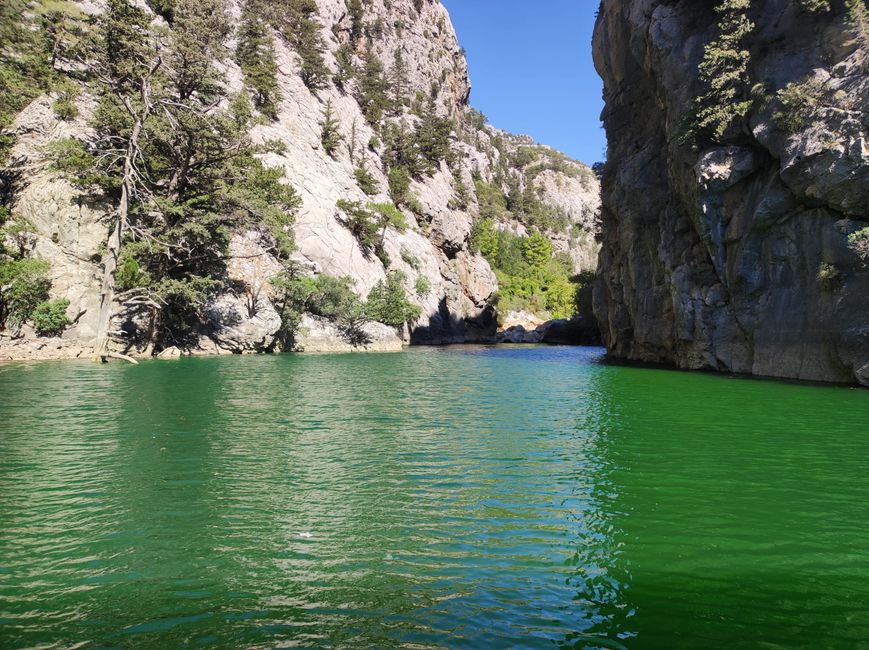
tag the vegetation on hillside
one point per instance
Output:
(530, 276)
(723, 72)
(169, 156)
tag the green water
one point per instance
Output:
(464, 497)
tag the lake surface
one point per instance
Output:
(460, 497)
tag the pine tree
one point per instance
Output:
(302, 31)
(346, 70)
(372, 88)
(255, 54)
(357, 14)
(128, 60)
(398, 83)
(724, 74)
(433, 135)
(330, 135)
(179, 170)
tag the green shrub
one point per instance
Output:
(324, 295)
(813, 6)
(370, 223)
(64, 106)
(388, 302)
(24, 284)
(129, 275)
(484, 238)
(261, 196)
(798, 102)
(410, 259)
(859, 243)
(372, 88)
(49, 318)
(366, 181)
(302, 30)
(399, 184)
(423, 286)
(361, 223)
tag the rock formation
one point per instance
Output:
(741, 253)
(68, 229)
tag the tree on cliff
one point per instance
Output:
(723, 73)
(178, 169)
(127, 61)
(300, 27)
(255, 54)
(372, 95)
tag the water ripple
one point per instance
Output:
(465, 497)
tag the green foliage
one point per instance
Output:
(813, 6)
(724, 75)
(195, 173)
(859, 243)
(164, 8)
(129, 275)
(477, 119)
(798, 102)
(64, 106)
(356, 11)
(370, 223)
(388, 302)
(255, 55)
(422, 286)
(262, 196)
(828, 275)
(24, 285)
(398, 83)
(536, 249)
(484, 238)
(35, 35)
(346, 68)
(529, 276)
(326, 296)
(432, 136)
(524, 156)
(372, 93)
(366, 181)
(399, 185)
(330, 135)
(858, 22)
(71, 158)
(389, 216)
(410, 259)
(461, 193)
(298, 20)
(49, 317)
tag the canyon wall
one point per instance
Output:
(68, 227)
(745, 252)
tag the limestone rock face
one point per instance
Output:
(434, 251)
(320, 335)
(735, 257)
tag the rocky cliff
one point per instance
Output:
(742, 249)
(444, 274)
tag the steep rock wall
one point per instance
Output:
(69, 230)
(735, 256)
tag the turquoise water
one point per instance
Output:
(459, 497)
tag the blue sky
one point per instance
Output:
(531, 69)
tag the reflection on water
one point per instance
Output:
(464, 497)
